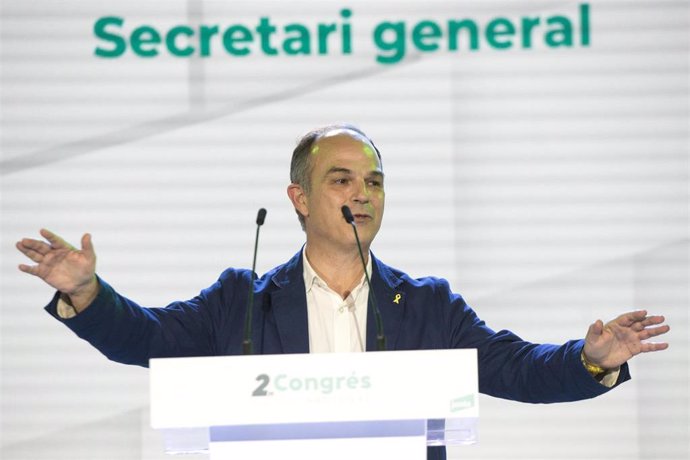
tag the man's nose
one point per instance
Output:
(361, 192)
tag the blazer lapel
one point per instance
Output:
(289, 306)
(391, 302)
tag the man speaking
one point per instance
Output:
(318, 301)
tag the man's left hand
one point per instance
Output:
(612, 344)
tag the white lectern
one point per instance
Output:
(314, 406)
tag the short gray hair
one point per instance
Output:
(300, 166)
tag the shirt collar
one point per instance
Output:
(311, 277)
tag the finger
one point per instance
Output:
(55, 240)
(39, 246)
(30, 269)
(653, 346)
(87, 245)
(30, 253)
(628, 319)
(647, 321)
(653, 332)
(653, 320)
(596, 329)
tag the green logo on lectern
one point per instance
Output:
(462, 403)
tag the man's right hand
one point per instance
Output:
(69, 270)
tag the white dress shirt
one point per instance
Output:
(335, 324)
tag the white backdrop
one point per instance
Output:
(550, 186)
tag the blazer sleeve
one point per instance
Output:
(128, 333)
(512, 368)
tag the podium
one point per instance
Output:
(313, 406)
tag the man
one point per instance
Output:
(317, 301)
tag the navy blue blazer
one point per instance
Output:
(417, 314)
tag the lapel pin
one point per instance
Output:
(397, 299)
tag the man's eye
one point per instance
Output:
(375, 183)
(341, 181)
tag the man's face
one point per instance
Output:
(345, 170)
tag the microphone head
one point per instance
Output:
(261, 216)
(347, 214)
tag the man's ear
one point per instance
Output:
(299, 198)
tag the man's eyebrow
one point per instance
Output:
(341, 170)
(337, 169)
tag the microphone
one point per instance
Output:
(247, 342)
(380, 337)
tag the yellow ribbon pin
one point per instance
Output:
(397, 299)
